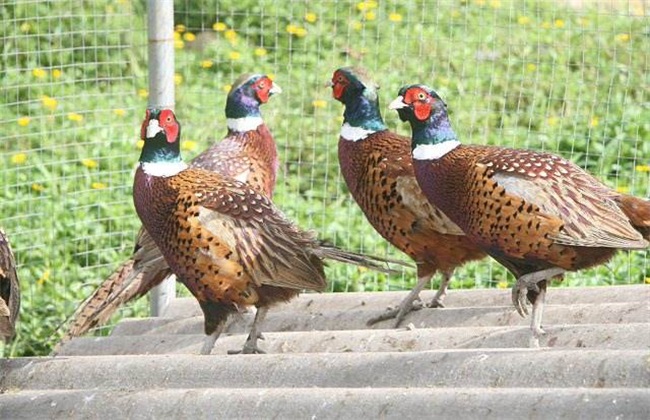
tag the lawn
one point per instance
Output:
(528, 74)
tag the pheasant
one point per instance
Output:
(9, 290)
(537, 214)
(224, 240)
(247, 153)
(378, 170)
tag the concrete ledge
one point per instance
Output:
(341, 403)
(501, 368)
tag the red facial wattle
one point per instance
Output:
(422, 110)
(337, 90)
(263, 95)
(168, 123)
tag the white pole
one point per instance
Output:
(160, 24)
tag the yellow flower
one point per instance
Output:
(44, 277)
(271, 76)
(19, 158)
(311, 17)
(234, 55)
(370, 15)
(559, 23)
(206, 64)
(319, 103)
(177, 36)
(642, 168)
(56, 74)
(594, 122)
(552, 121)
(260, 52)
(502, 285)
(356, 25)
(180, 28)
(188, 145)
(623, 189)
(119, 112)
(39, 73)
(73, 116)
(647, 280)
(622, 37)
(531, 67)
(37, 187)
(395, 17)
(140, 144)
(230, 35)
(189, 37)
(366, 5)
(179, 44)
(25, 27)
(89, 163)
(219, 26)
(523, 20)
(178, 79)
(24, 121)
(226, 88)
(98, 186)
(49, 102)
(495, 4)
(143, 93)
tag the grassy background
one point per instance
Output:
(574, 81)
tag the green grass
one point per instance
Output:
(524, 74)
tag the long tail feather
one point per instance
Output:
(371, 262)
(638, 211)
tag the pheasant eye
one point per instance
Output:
(422, 96)
(261, 85)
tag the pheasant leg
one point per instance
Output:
(407, 305)
(208, 343)
(529, 282)
(250, 347)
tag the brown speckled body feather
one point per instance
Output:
(9, 290)
(379, 173)
(529, 210)
(225, 241)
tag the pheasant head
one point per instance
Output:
(421, 106)
(244, 100)
(161, 133)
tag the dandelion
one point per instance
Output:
(502, 285)
(622, 37)
(395, 17)
(179, 44)
(25, 27)
(311, 17)
(234, 55)
(44, 277)
(319, 103)
(552, 121)
(559, 23)
(230, 35)
(623, 189)
(19, 158)
(206, 64)
(260, 52)
(73, 116)
(180, 28)
(356, 25)
(271, 76)
(594, 122)
(143, 93)
(219, 27)
(523, 20)
(89, 163)
(188, 145)
(226, 88)
(119, 112)
(642, 168)
(178, 79)
(38, 188)
(24, 121)
(296, 30)
(140, 144)
(366, 5)
(98, 186)
(189, 37)
(647, 280)
(56, 74)
(49, 102)
(531, 67)
(370, 15)
(39, 73)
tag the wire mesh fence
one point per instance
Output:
(570, 77)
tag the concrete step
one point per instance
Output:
(501, 368)
(337, 403)
(601, 336)
(280, 319)
(314, 303)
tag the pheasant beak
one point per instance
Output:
(153, 128)
(398, 103)
(275, 88)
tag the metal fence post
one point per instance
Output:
(160, 28)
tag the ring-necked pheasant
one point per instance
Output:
(9, 290)
(224, 240)
(536, 213)
(378, 170)
(247, 153)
